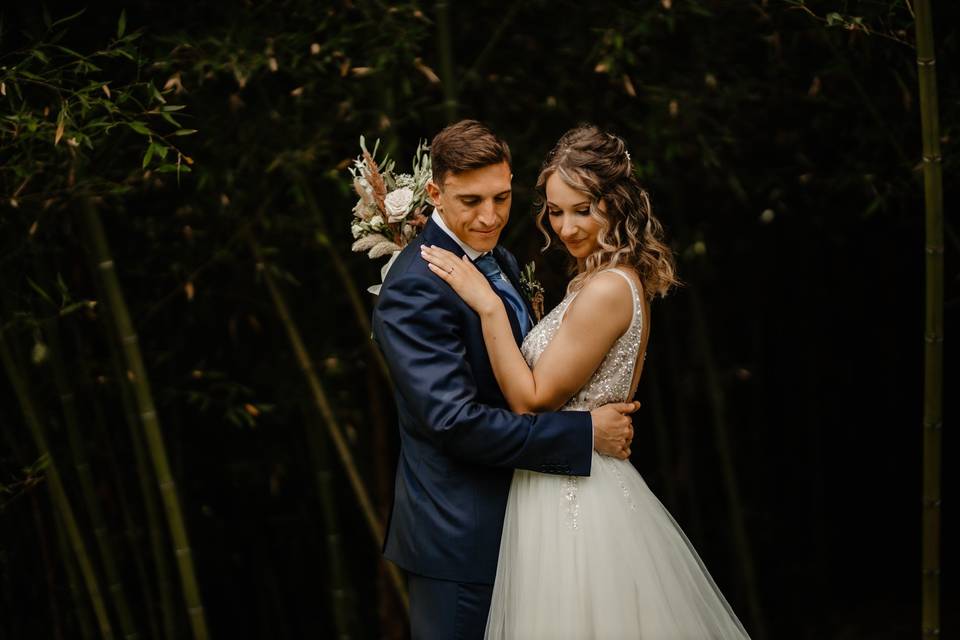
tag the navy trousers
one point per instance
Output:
(445, 610)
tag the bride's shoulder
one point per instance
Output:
(606, 297)
(613, 282)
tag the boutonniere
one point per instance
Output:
(532, 289)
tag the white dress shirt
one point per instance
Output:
(472, 253)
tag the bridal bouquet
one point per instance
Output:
(391, 207)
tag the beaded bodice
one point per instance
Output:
(611, 381)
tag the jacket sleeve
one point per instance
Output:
(420, 336)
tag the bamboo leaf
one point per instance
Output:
(69, 52)
(122, 24)
(70, 308)
(61, 124)
(43, 294)
(62, 287)
(68, 18)
(157, 95)
(172, 107)
(147, 156)
(139, 127)
(172, 168)
(184, 132)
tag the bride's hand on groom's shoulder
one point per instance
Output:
(613, 429)
(465, 279)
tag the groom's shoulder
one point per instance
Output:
(410, 272)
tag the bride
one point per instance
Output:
(598, 556)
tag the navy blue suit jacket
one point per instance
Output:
(459, 443)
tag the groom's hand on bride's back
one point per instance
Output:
(613, 428)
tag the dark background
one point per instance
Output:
(783, 389)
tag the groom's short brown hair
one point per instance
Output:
(463, 146)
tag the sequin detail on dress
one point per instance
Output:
(609, 383)
(612, 466)
(573, 507)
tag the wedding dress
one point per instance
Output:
(599, 557)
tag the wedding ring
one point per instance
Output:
(451, 270)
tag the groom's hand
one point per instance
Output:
(613, 429)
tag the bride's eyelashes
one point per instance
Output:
(580, 212)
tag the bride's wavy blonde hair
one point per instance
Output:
(597, 163)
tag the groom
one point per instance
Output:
(459, 441)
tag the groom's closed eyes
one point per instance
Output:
(470, 200)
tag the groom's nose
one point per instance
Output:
(487, 214)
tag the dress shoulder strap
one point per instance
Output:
(637, 303)
(633, 289)
(629, 280)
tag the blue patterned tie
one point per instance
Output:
(489, 267)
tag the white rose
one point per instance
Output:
(398, 203)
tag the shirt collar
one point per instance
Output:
(472, 253)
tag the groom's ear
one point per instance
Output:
(433, 191)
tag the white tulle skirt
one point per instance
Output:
(600, 557)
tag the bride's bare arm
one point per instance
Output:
(600, 313)
(594, 321)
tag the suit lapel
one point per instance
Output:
(432, 234)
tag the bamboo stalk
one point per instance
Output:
(727, 467)
(56, 488)
(85, 476)
(82, 614)
(933, 320)
(392, 626)
(127, 337)
(143, 472)
(378, 431)
(444, 42)
(319, 395)
(49, 571)
(492, 44)
(342, 594)
(132, 531)
(360, 311)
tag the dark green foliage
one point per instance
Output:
(780, 141)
